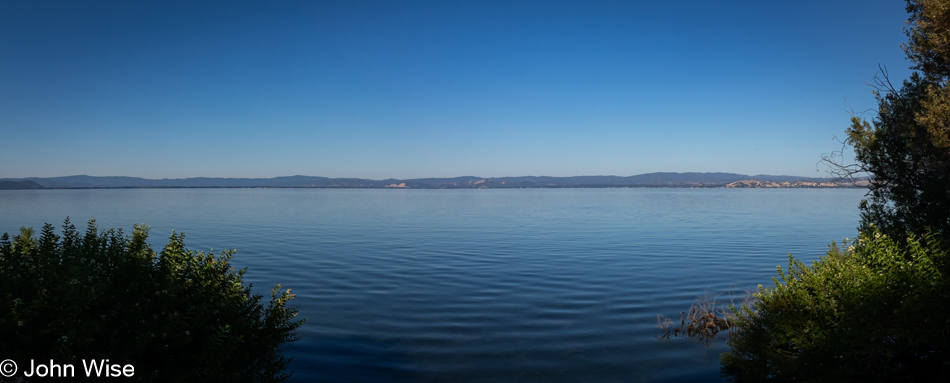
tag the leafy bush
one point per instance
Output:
(876, 310)
(177, 315)
(879, 309)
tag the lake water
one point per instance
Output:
(527, 285)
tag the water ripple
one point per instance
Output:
(492, 285)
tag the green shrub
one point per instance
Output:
(875, 310)
(177, 315)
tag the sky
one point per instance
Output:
(413, 89)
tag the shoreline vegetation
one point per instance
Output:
(649, 180)
(167, 316)
(873, 309)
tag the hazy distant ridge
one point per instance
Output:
(19, 185)
(468, 182)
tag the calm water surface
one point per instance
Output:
(544, 285)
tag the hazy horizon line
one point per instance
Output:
(825, 175)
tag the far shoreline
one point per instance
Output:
(439, 188)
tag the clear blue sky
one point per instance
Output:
(408, 89)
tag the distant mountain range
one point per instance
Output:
(642, 180)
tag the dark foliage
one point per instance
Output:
(906, 147)
(879, 309)
(910, 186)
(176, 316)
(874, 311)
